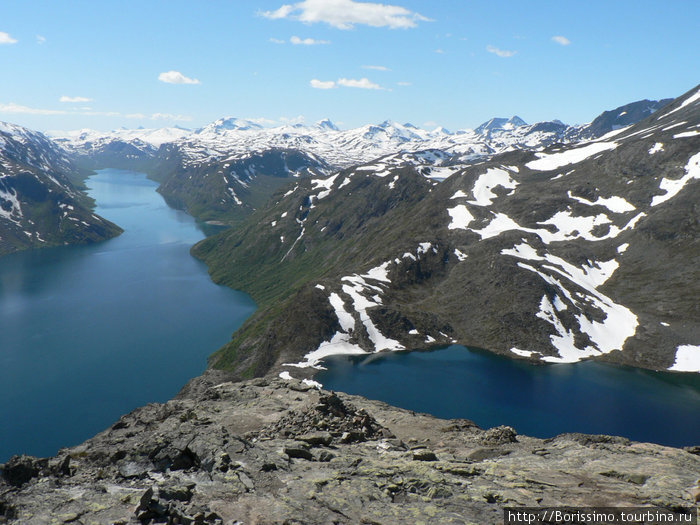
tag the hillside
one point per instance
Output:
(570, 253)
(39, 202)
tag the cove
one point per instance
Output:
(88, 333)
(537, 400)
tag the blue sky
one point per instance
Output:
(455, 63)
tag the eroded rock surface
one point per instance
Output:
(271, 451)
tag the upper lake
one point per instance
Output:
(536, 400)
(88, 333)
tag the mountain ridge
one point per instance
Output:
(382, 256)
(210, 152)
(40, 203)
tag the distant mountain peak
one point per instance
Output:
(442, 130)
(500, 123)
(230, 124)
(326, 123)
(515, 122)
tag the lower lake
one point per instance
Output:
(88, 333)
(536, 400)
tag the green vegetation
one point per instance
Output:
(340, 234)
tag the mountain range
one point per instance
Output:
(582, 251)
(541, 242)
(230, 167)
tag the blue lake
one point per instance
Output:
(540, 401)
(88, 333)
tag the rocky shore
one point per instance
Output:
(272, 451)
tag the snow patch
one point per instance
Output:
(614, 204)
(483, 196)
(686, 134)
(690, 100)
(521, 353)
(656, 148)
(552, 161)
(338, 345)
(687, 359)
(460, 255)
(460, 217)
(673, 187)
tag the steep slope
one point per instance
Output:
(39, 206)
(617, 118)
(570, 253)
(229, 188)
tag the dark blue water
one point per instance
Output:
(540, 401)
(88, 333)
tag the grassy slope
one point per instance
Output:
(252, 258)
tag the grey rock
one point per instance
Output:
(273, 476)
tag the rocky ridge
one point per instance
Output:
(270, 451)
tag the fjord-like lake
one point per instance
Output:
(88, 333)
(536, 400)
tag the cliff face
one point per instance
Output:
(270, 451)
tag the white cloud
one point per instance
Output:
(503, 53)
(307, 41)
(282, 12)
(345, 14)
(262, 121)
(299, 119)
(362, 83)
(169, 116)
(322, 84)
(5, 38)
(16, 108)
(377, 68)
(175, 77)
(64, 98)
(440, 51)
(277, 41)
(136, 115)
(561, 40)
(405, 83)
(40, 39)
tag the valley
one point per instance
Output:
(517, 250)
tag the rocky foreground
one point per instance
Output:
(273, 451)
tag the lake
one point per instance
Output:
(88, 333)
(536, 400)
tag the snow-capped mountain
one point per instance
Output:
(500, 124)
(39, 205)
(580, 251)
(210, 171)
